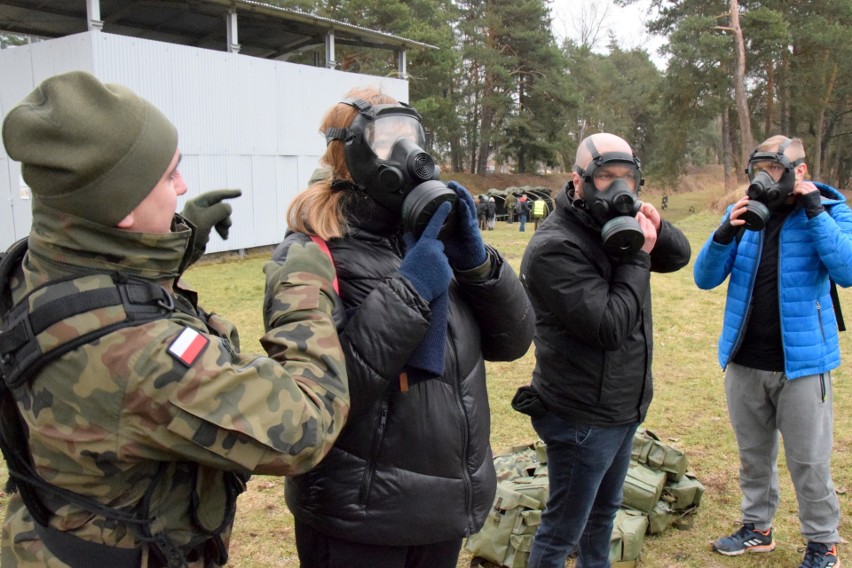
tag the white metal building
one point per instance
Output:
(244, 121)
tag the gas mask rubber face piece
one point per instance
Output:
(385, 157)
(765, 194)
(610, 187)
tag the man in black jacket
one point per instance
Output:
(587, 271)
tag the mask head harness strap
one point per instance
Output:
(607, 158)
(369, 112)
(777, 156)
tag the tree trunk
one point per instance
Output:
(727, 161)
(746, 138)
(770, 99)
(819, 127)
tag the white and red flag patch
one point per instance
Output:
(188, 346)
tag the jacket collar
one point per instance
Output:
(79, 244)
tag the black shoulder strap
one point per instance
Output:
(26, 342)
(835, 301)
(8, 261)
(136, 301)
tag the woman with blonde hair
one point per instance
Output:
(423, 302)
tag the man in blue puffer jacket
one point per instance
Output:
(781, 244)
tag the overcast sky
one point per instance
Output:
(570, 17)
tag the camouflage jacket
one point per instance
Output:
(106, 418)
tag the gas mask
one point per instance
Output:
(615, 206)
(385, 157)
(764, 193)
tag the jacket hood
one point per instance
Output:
(830, 195)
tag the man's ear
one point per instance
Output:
(802, 171)
(127, 222)
(578, 184)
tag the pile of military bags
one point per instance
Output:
(659, 493)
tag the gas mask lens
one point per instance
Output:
(774, 169)
(604, 176)
(382, 133)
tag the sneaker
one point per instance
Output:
(747, 539)
(820, 555)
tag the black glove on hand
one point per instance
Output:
(726, 232)
(425, 265)
(464, 247)
(207, 212)
(812, 202)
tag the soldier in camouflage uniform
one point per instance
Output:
(164, 420)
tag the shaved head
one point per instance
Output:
(604, 142)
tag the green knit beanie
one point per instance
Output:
(89, 149)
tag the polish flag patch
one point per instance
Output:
(188, 346)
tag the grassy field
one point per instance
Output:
(688, 410)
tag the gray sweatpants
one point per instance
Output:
(763, 404)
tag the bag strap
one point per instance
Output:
(324, 247)
(22, 354)
(835, 301)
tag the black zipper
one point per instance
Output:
(740, 333)
(370, 470)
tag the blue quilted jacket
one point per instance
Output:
(811, 251)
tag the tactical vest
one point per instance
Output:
(26, 346)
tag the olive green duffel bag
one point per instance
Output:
(650, 451)
(643, 487)
(628, 535)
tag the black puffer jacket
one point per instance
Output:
(411, 468)
(594, 336)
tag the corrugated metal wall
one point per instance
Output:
(243, 122)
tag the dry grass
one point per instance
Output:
(688, 411)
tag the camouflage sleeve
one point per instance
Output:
(277, 415)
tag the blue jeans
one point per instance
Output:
(586, 466)
(522, 219)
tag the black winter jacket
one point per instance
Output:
(594, 338)
(411, 468)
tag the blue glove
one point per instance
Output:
(425, 264)
(464, 247)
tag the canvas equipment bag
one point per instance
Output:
(506, 537)
(643, 487)
(660, 518)
(654, 501)
(628, 536)
(650, 451)
(685, 493)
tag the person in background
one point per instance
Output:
(587, 271)
(130, 420)
(509, 203)
(779, 247)
(482, 212)
(491, 216)
(522, 210)
(539, 211)
(412, 474)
